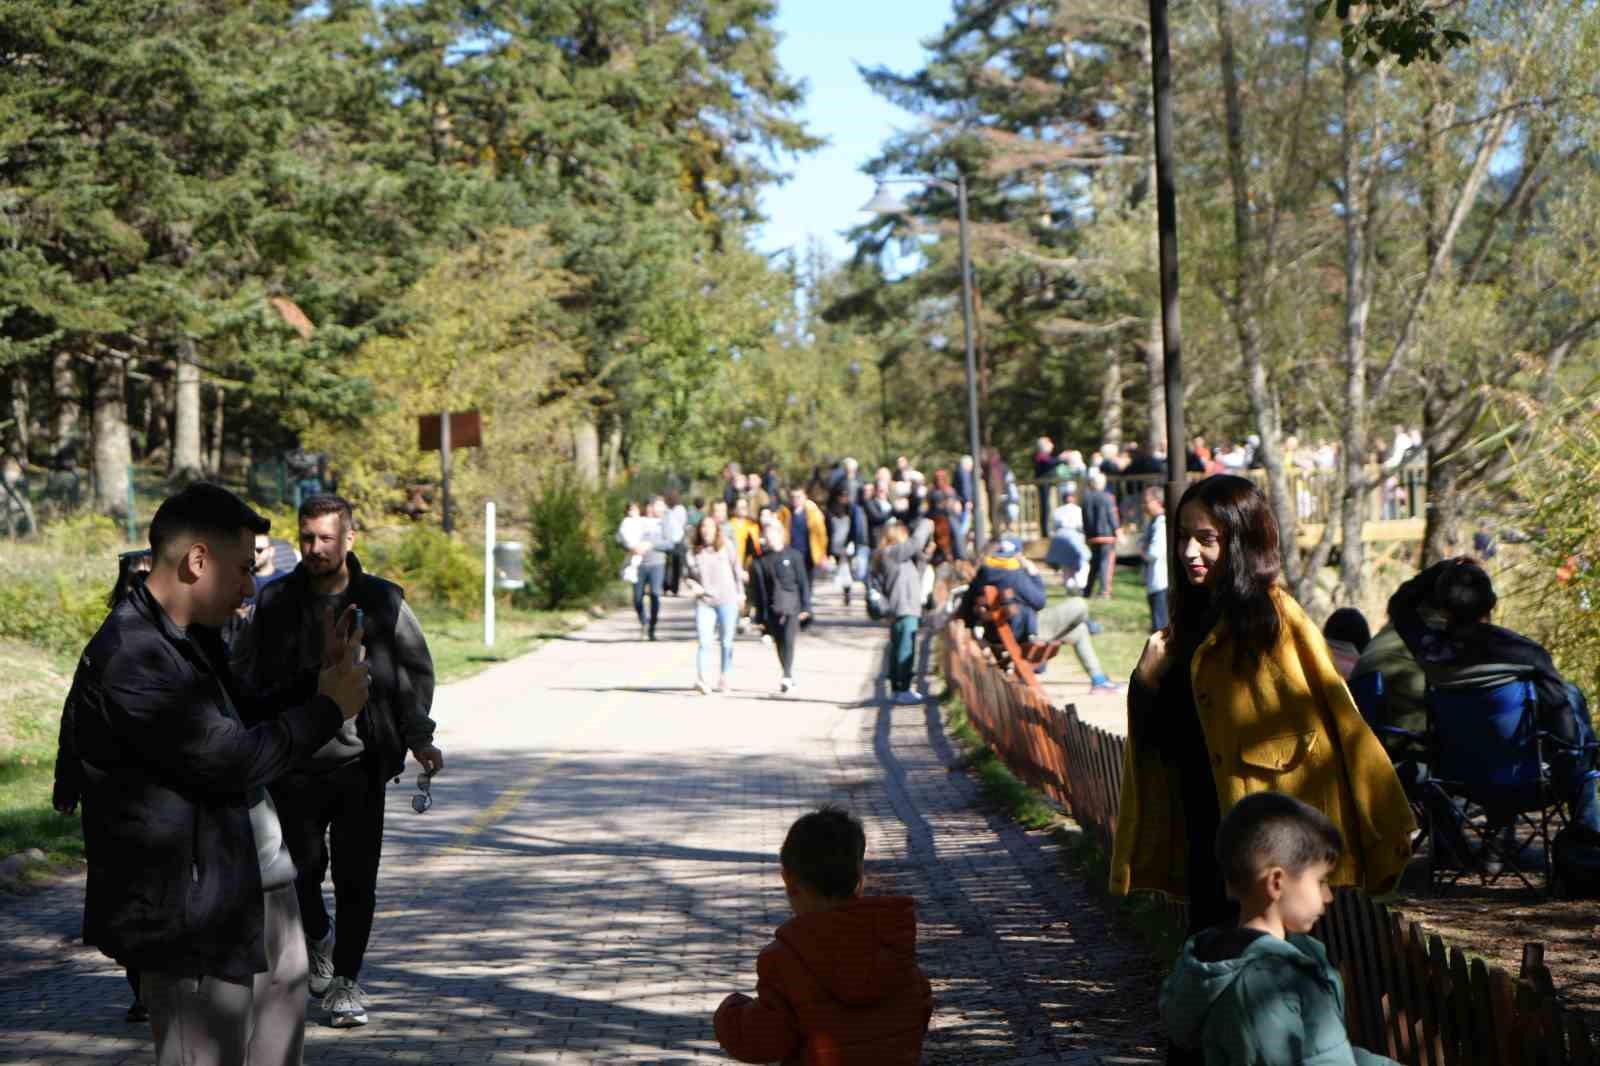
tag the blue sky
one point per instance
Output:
(822, 42)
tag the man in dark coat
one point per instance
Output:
(188, 880)
(1100, 522)
(339, 792)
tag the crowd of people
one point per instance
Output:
(233, 726)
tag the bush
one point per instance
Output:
(433, 567)
(51, 612)
(568, 558)
(88, 534)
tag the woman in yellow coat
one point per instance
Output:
(1239, 695)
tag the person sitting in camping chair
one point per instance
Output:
(1022, 596)
(1469, 646)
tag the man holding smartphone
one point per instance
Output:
(332, 802)
(189, 880)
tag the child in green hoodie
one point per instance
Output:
(1264, 993)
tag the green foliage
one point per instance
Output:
(433, 567)
(1406, 29)
(569, 561)
(88, 534)
(51, 611)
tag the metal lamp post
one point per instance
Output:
(884, 202)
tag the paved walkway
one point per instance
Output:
(599, 870)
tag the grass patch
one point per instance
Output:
(1126, 618)
(35, 686)
(1000, 786)
(456, 642)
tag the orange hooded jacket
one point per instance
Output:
(836, 988)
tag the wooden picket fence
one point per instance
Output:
(1409, 996)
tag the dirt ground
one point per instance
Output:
(1495, 922)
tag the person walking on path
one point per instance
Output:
(717, 581)
(332, 803)
(189, 880)
(641, 535)
(900, 562)
(877, 510)
(780, 592)
(806, 529)
(1237, 693)
(1069, 551)
(847, 534)
(1100, 522)
(674, 533)
(1153, 550)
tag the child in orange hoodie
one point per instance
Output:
(839, 986)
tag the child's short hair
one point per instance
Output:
(825, 850)
(1267, 829)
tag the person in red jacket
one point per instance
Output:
(839, 986)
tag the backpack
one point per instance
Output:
(1575, 863)
(877, 595)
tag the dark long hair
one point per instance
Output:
(1241, 594)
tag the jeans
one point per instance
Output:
(650, 578)
(903, 651)
(1158, 610)
(345, 805)
(1067, 620)
(1102, 561)
(710, 621)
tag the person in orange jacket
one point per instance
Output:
(840, 985)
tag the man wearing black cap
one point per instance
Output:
(189, 879)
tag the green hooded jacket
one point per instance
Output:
(1256, 1000)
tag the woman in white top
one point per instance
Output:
(715, 578)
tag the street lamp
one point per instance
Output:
(884, 202)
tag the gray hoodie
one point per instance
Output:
(1250, 999)
(901, 565)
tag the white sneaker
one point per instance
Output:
(786, 684)
(910, 695)
(320, 953)
(345, 1003)
(701, 687)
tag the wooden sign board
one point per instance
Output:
(466, 431)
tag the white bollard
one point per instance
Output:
(488, 574)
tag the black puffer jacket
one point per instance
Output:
(280, 652)
(167, 768)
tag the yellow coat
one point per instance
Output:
(1290, 726)
(816, 530)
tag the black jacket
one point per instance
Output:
(779, 586)
(1099, 514)
(167, 770)
(281, 651)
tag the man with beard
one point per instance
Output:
(341, 787)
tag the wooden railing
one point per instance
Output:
(1408, 996)
(1314, 494)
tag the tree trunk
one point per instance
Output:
(1246, 299)
(586, 449)
(1111, 399)
(613, 449)
(157, 428)
(1357, 304)
(18, 433)
(113, 448)
(187, 464)
(67, 397)
(1155, 376)
(219, 405)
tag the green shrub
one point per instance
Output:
(87, 533)
(51, 612)
(432, 566)
(568, 558)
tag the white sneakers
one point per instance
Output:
(910, 695)
(320, 953)
(786, 685)
(345, 1003)
(701, 686)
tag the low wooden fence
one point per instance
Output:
(1409, 996)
